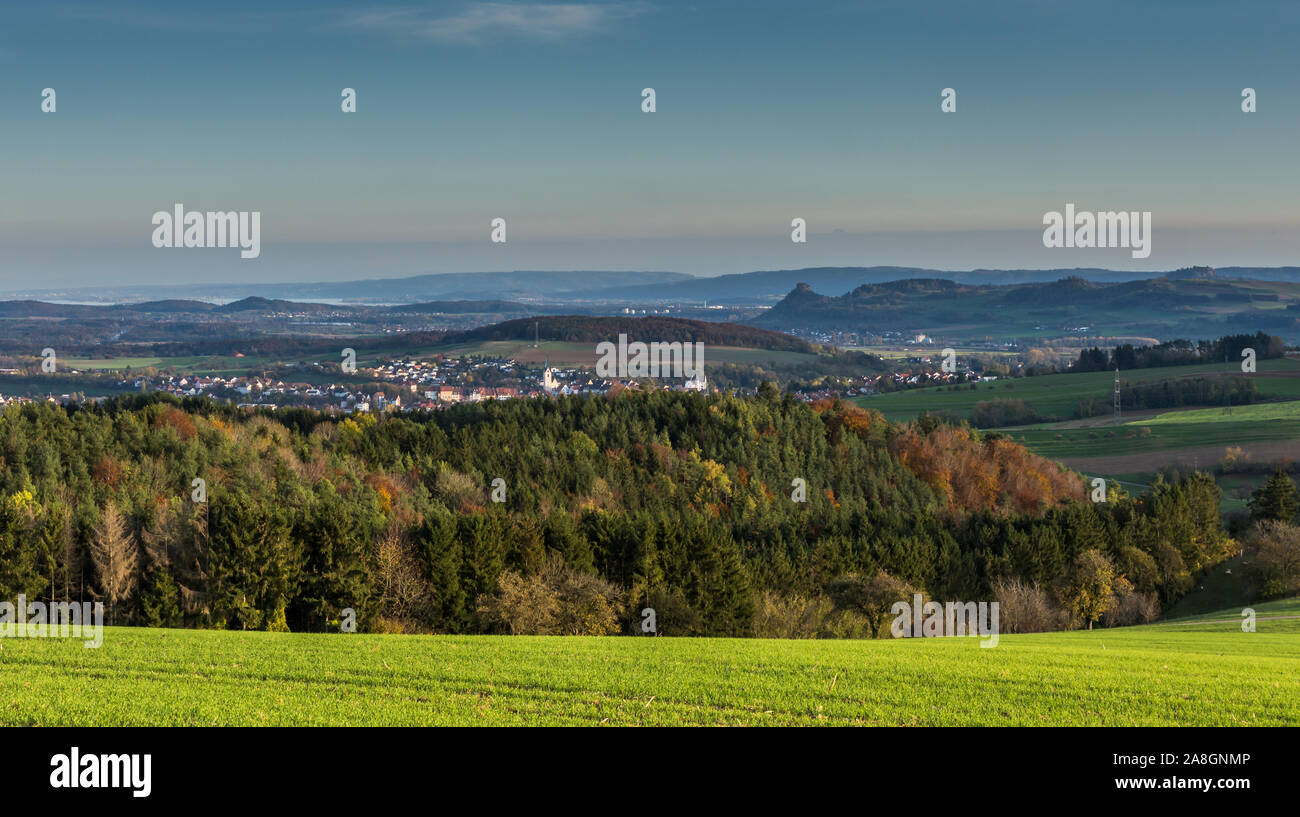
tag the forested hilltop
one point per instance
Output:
(595, 329)
(673, 501)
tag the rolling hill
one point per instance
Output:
(588, 329)
(1187, 307)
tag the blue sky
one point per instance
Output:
(531, 111)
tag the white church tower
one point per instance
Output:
(549, 384)
(697, 381)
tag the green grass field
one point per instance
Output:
(1220, 595)
(1255, 413)
(1062, 443)
(1201, 674)
(1166, 432)
(1058, 394)
(86, 364)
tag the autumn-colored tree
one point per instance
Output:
(970, 474)
(1090, 589)
(873, 598)
(173, 417)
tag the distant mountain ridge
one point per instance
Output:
(1193, 304)
(770, 285)
(254, 305)
(518, 285)
(760, 287)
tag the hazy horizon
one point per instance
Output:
(528, 111)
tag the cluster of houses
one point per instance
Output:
(61, 399)
(411, 385)
(430, 385)
(244, 390)
(425, 376)
(919, 379)
(890, 381)
(852, 339)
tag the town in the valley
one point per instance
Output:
(417, 384)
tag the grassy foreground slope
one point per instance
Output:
(1200, 607)
(1207, 674)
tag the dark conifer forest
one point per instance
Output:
(727, 516)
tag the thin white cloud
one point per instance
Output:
(478, 22)
(185, 22)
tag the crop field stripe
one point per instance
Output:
(1203, 673)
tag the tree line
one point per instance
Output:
(1226, 349)
(725, 515)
